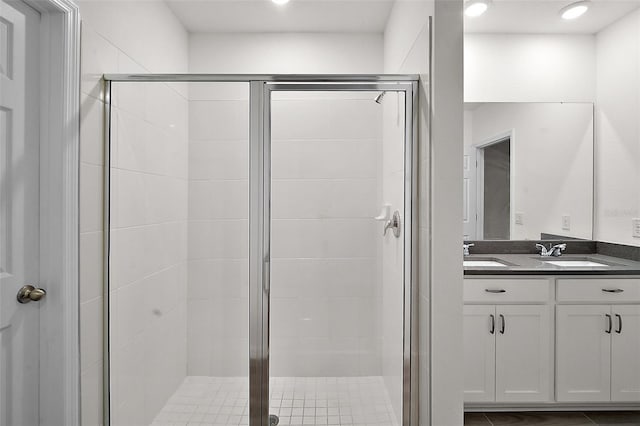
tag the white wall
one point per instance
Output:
(529, 68)
(446, 214)
(618, 130)
(406, 37)
(407, 50)
(545, 187)
(286, 53)
(147, 38)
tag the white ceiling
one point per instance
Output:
(542, 17)
(297, 16)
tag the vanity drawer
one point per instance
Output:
(605, 290)
(507, 290)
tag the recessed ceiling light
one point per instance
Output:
(575, 10)
(280, 2)
(475, 8)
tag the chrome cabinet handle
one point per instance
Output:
(609, 324)
(619, 329)
(492, 328)
(612, 290)
(502, 325)
(495, 291)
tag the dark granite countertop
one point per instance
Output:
(533, 264)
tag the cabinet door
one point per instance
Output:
(625, 353)
(524, 354)
(583, 355)
(479, 353)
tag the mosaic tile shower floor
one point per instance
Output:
(213, 401)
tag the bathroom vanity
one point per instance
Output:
(551, 333)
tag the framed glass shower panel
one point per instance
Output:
(177, 189)
(336, 342)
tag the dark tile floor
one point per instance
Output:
(588, 418)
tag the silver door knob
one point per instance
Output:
(29, 293)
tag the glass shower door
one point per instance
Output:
(339, 252)
(259, 251)
(178, 260)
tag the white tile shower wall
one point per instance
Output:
(149, 249)
(218, 194)
(132, 37)
(218, 303)
(325, 296)
(325, 299)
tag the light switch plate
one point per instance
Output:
(566, 222)
(519, 218)
(636, 228)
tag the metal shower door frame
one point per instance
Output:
(261, 88)
(260, 236)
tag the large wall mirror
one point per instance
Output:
(528, 171)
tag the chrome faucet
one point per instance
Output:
(552, 251)
(465, 249)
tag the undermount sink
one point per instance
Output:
(484, 263)
(576, 263)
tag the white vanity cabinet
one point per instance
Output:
(508, 337)
(583, 353)
(479, 353)
(625, 355)
(517, 355)
(598, 340)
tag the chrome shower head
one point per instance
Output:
(380, 97)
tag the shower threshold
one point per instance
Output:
(213, 401)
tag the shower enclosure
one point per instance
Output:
(259, 251)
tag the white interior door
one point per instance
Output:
(19, 214)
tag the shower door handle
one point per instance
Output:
(393, 224)
(266, 274)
